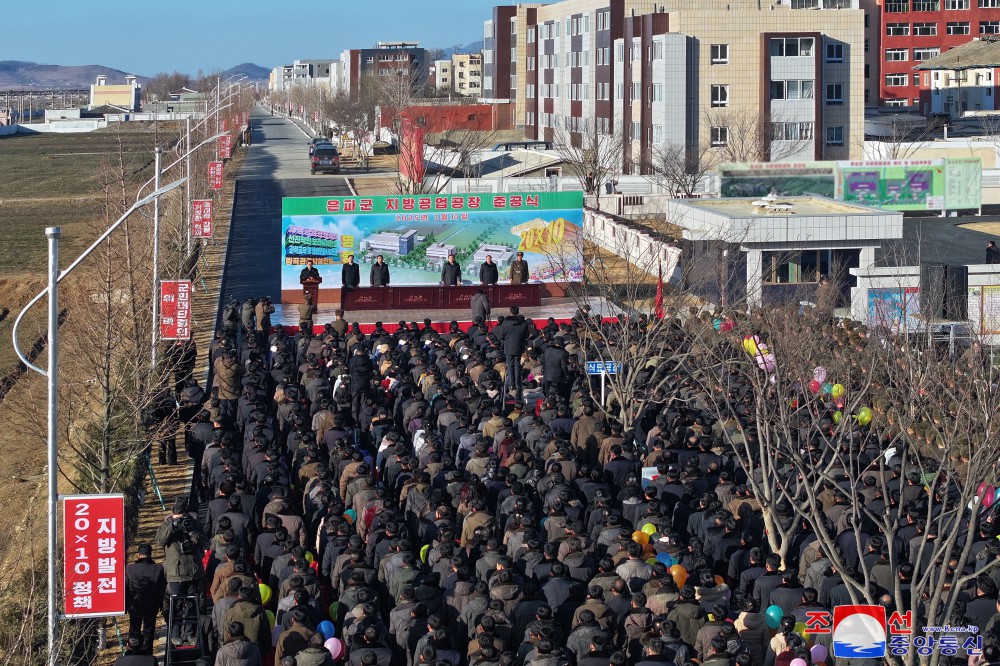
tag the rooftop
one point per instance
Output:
(977, 54)
(808, 206)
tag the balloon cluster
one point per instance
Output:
(818, 652)
(758, 350)
(820, 386)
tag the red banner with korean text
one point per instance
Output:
(225, 146)
(201, 218)
(215, 175)
(246, 118)
(225, 124)
(94, 555)
(175, 309)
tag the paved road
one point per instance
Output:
(277, 166)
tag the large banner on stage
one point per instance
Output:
(415, 234)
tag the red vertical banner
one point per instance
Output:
(94, 555)
(225, 146)
(215, 175)
(175, 309)
(225, 124)
(201, 218)
(246, 118)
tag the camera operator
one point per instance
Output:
(263, 311)
(183, 547)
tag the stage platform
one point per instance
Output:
(557, 308)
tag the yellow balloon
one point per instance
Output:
(640, 538)
(649, 528)
(749, 346)
(838, 390)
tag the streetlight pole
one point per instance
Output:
(218, 92)
(187, 186)
(52, 375)
(52, 379)
(156, 255)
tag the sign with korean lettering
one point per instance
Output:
(225, 146)
(175, 309)
(94, 555)
(602, 368)
(201, 218)
(415, 234)
(246, 118)
(215, 175)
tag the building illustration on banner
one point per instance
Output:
(415, 235)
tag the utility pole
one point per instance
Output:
(187, 185)
(218, 92)
(156, 255)
(52, 379)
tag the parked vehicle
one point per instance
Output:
(317, 141)
(325, 158)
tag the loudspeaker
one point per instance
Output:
(932, 281)
(956, 293)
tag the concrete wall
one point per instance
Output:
(632, 244)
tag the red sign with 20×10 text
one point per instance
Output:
(175, 309)
(94, 553)
(215, 175)
(201, 218)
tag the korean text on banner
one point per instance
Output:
(175, 309)
(215, 175)
(225, 146)
(201, 218)
(94, 555)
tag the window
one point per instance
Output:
(488, 30)
(531, 35)
(370, 59)
(777, 90)
(657, 92)
(867, 95)
(488, 82)
(636, 49)
(531, 63)
(926, 5)
(989, 4)
(960, 28)
(835, 135)
(895, 80)
(513, 54)
(657, 50)
(805, 267)
(636, 131)
(720, 54)
(867, 44)
(925, 29)
(897, 55)
(897, 6)
(916, 79)
(603, 22)
(920, 55)
(529, 90)
(619, 51)
(488, 56)
(956, 4)
(793, 89)
(868, 72)
(834, 93)
(619, 91)
(636, 91)
(720, 96)
(835, 53)
(586, 24)
(513, 82)
(657, 133)
(895, 102)
(989, 28)
(790, 47)
(720, 136)
(792, 131)
(897, 29)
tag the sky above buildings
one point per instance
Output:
(187, 35)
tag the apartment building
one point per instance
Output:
(395, 61)
(462, 74)
(674, 73)
(912, 31)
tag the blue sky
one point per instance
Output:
(186, 35)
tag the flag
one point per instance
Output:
(659, 294)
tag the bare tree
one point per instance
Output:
(594, 154)
(680, 170)
(753, 135)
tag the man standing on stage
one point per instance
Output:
(451, 273)
(308, 272)
(380, 273)
(350, 273)
(488, 272)
(519, 270)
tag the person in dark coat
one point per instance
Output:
(992, 253)
(135, 655)
(451, 272)
(350, 273)
(238, 649)
(145, 585)
(361, 370)
(380, 273)
(513, 333)
(519, 273)
(480, 306)
(488, 272)
(555, 369)
(309, 272)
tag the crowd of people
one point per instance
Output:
(459, 499)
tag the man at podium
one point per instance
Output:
(310, 280)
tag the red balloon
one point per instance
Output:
(815, 386)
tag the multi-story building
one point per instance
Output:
(126, 95)
(671, 73)
(912, 31)
(442, 76)
(396, 63)
(462, 74)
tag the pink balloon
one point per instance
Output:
(799, 662)
(334, 647)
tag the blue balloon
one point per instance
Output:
(666, 559)
(327, 629)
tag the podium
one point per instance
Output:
(311, 286)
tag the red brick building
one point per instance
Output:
(434, 118)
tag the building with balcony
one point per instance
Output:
(665, 73)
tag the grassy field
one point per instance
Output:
(54, 180)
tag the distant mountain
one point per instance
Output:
(249, 70)
(18, 74)
(474, 47)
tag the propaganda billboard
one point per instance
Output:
(894, 184)
(415, 234)
(785, 179)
